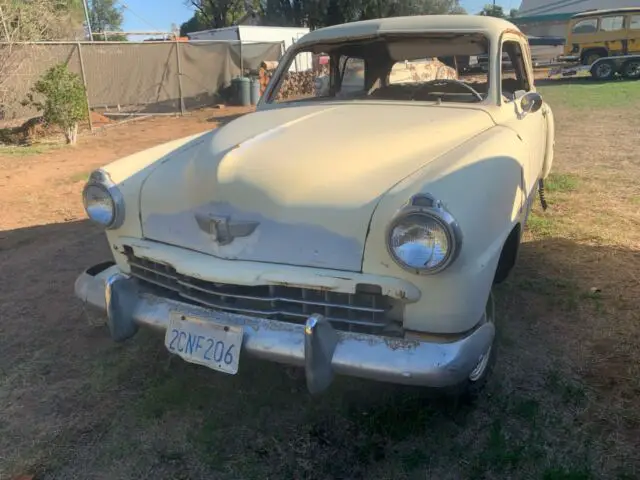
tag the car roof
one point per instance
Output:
(609, 11)
(490, 26)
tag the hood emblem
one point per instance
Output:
(223, 229)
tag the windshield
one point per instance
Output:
(429, 68)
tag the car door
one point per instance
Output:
(531, 127)
(612, 32)
(634, 33)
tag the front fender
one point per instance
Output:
(129, 173)
(481, 184)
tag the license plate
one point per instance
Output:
(204, 342)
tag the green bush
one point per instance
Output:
(64, 102)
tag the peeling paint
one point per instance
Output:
(334, 276)
(397, 344)
(303, 285)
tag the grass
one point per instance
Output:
(541, 226)
(561, 182)
(562, 403)
(79, 177)
(586, 94)
(28, 150)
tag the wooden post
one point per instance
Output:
(179, 76)
(84, 82)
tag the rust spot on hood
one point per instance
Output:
(401, 344)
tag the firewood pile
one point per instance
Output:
(296, 84)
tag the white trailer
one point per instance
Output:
(605, 68)
(250, 34)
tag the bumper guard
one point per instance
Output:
(322, 350)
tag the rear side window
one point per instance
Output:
(586, 26)
(352, 75)
(611, 24)
(635, 22)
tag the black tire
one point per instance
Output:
(631, 69)
(604, 70)
(471, 388)
(591, 56)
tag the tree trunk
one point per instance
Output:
(71, 134)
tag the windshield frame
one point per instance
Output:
(493, 72)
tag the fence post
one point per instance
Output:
(84, 82)
(179, 76)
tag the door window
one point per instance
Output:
(352, 70)
(635, 22)
(514, 75)
(586, 26)
(611, 24)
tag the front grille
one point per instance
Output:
(358, 312)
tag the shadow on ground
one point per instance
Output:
(79, 406)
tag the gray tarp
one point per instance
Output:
(139, 77)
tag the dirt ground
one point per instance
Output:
(564, 401)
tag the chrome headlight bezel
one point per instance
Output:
(427, 206)
(101, 179)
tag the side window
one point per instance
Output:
(514, 70)
(307, 78)
(589, 25)
(611, 24)
(352, 72)
(634, 23)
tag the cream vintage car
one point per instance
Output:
(356, 233)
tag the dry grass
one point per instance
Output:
(563, 402)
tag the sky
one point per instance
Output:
(158, 15)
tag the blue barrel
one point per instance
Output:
(241, 91)
(255, 91)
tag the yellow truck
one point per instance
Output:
(604, 43)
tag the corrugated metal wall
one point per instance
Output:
(554, 7)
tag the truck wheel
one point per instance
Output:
(604, 70)
(631, 69)
(469, 390)
(589, 57)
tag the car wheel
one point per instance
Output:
(604, 70)
(470, 389)
(631, 70)
(590, 57)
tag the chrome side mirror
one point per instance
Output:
(531, 102)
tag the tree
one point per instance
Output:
(37, 20)
(491, 10)
(308, 13)
(194, 24)
(105, 16)
(32, 21)
(64, 101)
(218, 13)
(320, 13)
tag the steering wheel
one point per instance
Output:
(454, 81)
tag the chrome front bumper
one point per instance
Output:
(322, 350)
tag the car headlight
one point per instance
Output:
(424, 237)
(103, 201)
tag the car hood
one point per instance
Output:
(297, 185)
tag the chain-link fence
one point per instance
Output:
(125, 79)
